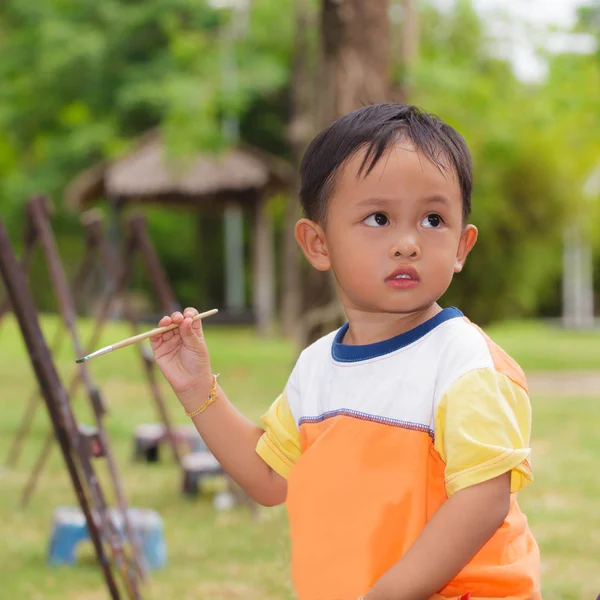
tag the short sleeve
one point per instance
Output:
(279, 446)
(482, 430)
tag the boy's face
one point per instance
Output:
(395, 238)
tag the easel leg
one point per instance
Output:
(59, 280)
(52, 390)
(80, 280)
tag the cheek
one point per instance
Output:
(444, 246)
(352, 251)
(439, 257)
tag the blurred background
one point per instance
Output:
(196, 113)
(82, 82)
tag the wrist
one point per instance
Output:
(195, 395)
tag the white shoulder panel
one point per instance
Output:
(400, 388)
(305, 370)
(462, 349)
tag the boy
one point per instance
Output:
(401, 439)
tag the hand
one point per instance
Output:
(182, 356)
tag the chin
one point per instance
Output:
(411, 308)
(393, 306)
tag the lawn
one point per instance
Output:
(543, 347)
(228, 556)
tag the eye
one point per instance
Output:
(432, 221)
(376, 220)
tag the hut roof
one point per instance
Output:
(148, 174)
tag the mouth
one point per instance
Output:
(408, 273)
(403, 278)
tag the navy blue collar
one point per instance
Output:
(346, 353)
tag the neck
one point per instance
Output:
(370, 327)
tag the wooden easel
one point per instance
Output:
(100, 256)
(80, 281)
(75, 445)
(138, 244)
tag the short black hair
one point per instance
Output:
(378, 127)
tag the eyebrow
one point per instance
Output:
(376, 202)
(437, 200)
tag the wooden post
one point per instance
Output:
(235, 301)
(578, 295)
(263, 292)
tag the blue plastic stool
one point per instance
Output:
(69, 528)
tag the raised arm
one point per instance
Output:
(183, 357)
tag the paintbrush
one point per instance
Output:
(142, 336)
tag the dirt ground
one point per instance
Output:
(571, 383)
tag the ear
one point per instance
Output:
(467, 241)
(311, 238)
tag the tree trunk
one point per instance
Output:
(409, 48)
(355, 49)
(301, 128)
(355, 38)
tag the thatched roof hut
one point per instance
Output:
(242, 176)
(148, 174)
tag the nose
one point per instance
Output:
(406, 245)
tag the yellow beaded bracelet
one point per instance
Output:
(212, 396)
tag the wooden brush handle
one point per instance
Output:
(158, 331)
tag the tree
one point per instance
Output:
(355, 57)
(81, 79)
(301, 127)
(521, 195)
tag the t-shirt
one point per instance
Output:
(373, 439)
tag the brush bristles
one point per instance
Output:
(100, 352)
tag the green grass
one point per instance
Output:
(226, 555)
(539, 346)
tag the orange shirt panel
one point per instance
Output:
(503, 363)
(373, 478)
(383, 483)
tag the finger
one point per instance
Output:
(185, 327)
(190, 312)
(168, 335)
(164, 322)
(177, 317)
(197, 327)
(164, 348)
(188, 330)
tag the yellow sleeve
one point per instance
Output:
(279, 446)
(482, 430)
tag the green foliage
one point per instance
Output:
(81, 79)
(532, 146)
(589, 18)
